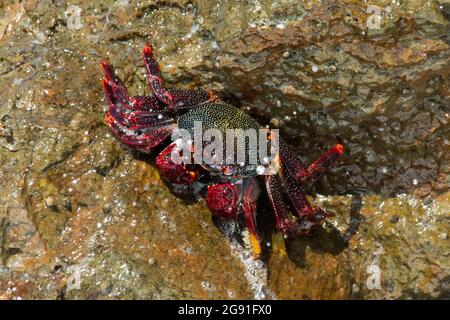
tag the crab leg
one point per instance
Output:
(318, 167)
(178, 99)
(191, 98)
(147, 105)
(117, 92)
(284, 222)
(290, 159)
(298, 200)
(154, 77)
(129, 119)
(308, 215)
(309, 174)
(144, 139)
(117, 88)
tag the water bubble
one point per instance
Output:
(151, 261)
(50, 201)
(260, 170)
(231, 293)
(207, 286)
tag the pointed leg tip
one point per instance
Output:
(339, 148)
(108, 119)
(105, 85)
(104, 64)
(107, 68)
(147, 50)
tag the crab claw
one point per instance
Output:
(222, 200)
(225, 199)
(174, 171)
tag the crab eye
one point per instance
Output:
(228, 171)
(193, 174)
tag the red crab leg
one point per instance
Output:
(191, 98)
(284, 222)
(289, 158)
(147, 105)
(318, 167)
(300, 204)
(130, 120)
(118, 89)
(174, 172)
(144, 139)
(173, 98)
(154, 77)
(185, 99)
(310, 174)
(122, 99)
(250, 192)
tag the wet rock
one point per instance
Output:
(83, 217)
(382, 260)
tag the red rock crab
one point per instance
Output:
(143, 122)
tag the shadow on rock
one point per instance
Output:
(326, 239)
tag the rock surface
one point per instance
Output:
(81, 217)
